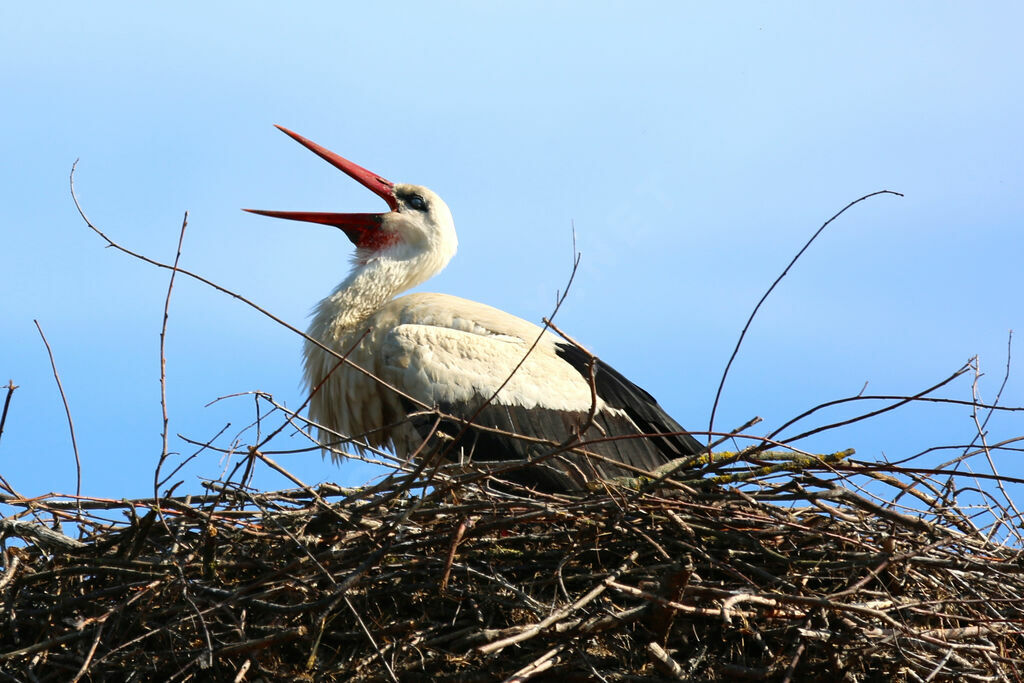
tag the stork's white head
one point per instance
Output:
(418, 232)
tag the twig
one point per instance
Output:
(542, 663)
(743, 333)
(42, 535)
(899, 401)
(242, 671)
(738, 430)
(163, 364)
(164, 451)
(89, 655)
(11, 565)
(41, 646)
(11, 386)
(67, 411)
(262, 643)
(980, 426)
(665, 661)
(373, 642)
(456, 539)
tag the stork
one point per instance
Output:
(503, 389)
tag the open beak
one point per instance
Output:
(360, 227)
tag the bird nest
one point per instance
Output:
(745, 567)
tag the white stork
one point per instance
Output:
(461, 357)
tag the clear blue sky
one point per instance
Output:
(694, 146)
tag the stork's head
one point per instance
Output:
(418, 228)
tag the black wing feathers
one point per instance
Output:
(619, 392)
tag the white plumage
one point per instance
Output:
(461, 357)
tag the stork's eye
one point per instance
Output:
(418, 202)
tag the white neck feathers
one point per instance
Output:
(369, 286)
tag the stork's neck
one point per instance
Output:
(369, 286)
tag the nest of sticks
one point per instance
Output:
(755, 567)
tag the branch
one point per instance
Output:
(743, 333)
(67, 411)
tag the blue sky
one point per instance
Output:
(694, 147)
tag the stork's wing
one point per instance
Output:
(517, 414)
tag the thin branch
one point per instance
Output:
(163, 361)
(67, 411)
(743, 333)
(898, 402)
(11, 386)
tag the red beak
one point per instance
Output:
(361, 228)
